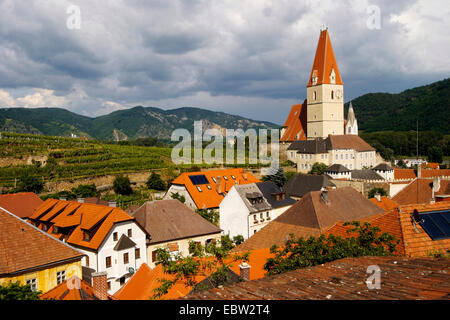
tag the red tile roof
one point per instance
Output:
(310, 216)
(324, 61)
(210, 198)
(72, 289)
(345, 279)
(22, 246)
(385, 203)
(295, 124)
(432, 173)
(142, 285)
(404, 174)
(21, 204)
(420, 191)
(80, 217)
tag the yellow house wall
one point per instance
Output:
(46, 278)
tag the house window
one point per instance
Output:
(122, 281)
(254, 231)
(126, 258)
(137, 253)
(346, 156)
(44, 227)
(108, 262)
(115, 236)
(314, 95)
(60, 277)
(267, 214)
(255, 218)
(332, 94)
(55, 230)
(87, 261)
(261, 215)
(109, 285)
(130, 233)
(154, 256)
(32, 283)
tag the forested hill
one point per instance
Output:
(137, 122)
(429, 104)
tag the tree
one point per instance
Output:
(237, 240)
(178, 197)
(318, 168)
(122, 185)
(210, 215)
(300, 253)
(85, 191)
(375, 190)
(30, 184)
(213, 260)
(15, 291)
(155, 182)
(278, 178)
(435, 154)
(401, 164)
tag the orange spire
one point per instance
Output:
(324, 63)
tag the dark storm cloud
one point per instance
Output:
(249, 57)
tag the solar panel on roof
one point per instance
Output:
(199, 179)
(436, 224)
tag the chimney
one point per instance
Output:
(218, 184)
(100, 285)
(324, 195)
(244, 269)
(419, 171)
(112, 204)
(80, 200)
(378, 197)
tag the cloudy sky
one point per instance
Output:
(245, 57)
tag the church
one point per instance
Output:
(315, 131)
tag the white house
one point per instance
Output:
(109, 237)
(248, 208)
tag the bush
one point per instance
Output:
(318, 168)
(178, 197)
(374, 191)
(122, 185)
(31, 184)
(210, 215)
(310, 252)
(15, 291)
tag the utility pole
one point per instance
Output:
(417, 139)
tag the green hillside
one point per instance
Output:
(137, 122)
(429, 104)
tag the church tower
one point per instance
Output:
(351, 127)
(325, 93)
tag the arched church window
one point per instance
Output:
(332, 94)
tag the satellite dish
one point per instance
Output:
(131, 270)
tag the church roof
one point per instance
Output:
(295, 124)
(324, 62)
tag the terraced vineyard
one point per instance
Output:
(70, 159)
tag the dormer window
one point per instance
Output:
(86, 236)
(333, 77)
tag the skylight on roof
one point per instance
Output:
(199, 189)
(436, 224)
(199, 179)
